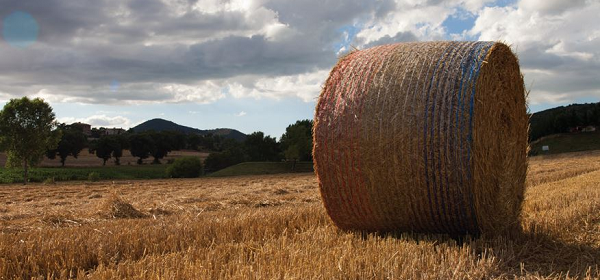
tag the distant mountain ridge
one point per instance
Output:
(165, 125)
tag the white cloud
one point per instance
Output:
(419, 17)
(473, 6)
(550, 6)
(407, 17)
(100, 121)
(560, 50)
(240, 114)
(557, 43)
(202, 93)
(544, 97)
(174, 51)
(304, 86)
(52, 97)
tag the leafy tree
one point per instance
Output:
(262, 148)
(562, 119)
(119, 142)
(178, 140)
(291, 153)
(193, 141)
(27, 131)
(140, 146)
(223, 144)
(216, 142)
(185, 167)
(98, 132)
(103, 148)
(109, 146)
(71, 143)
(163, 144)
(219, 160)
(562, 123)
(296, 142)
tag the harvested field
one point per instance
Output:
(264, 227)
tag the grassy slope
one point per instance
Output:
(261, 168)
(10, 175)
(125, 172)
(567, 142)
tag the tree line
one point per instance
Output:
(562, 119)
(29, 131)
(295, 145)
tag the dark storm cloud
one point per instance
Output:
(255, 55)
(318, 12)
(148, 45)
(85, 45)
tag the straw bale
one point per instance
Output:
(423, 137)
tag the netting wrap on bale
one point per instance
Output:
(424, 137)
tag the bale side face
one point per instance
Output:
(500, 142)
(394, 141)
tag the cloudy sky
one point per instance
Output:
(259, 64)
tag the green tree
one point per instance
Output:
(561, 123)
(119, 142)
(103, 148)
(185, 167)
(193, 141)
(219, 160)
(163, 144)
(178, 140)
(71, 143)
(291, 153)
(217, 142)
(140, 146)
(296, 142)
(262, 148)
(27, 131)
(109, 146)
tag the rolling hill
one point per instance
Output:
(165, 125)
(566, 142)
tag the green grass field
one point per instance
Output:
(15, 175)
(261, 168)
(567, 142)
(135, 172)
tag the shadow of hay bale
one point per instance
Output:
(115, 207)
(530, 255)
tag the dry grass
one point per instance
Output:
(116, 207)
(264, 227)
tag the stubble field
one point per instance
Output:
(265, 227)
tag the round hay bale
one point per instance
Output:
(423, 137)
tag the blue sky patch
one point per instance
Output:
(458, 22)
(347, 34)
